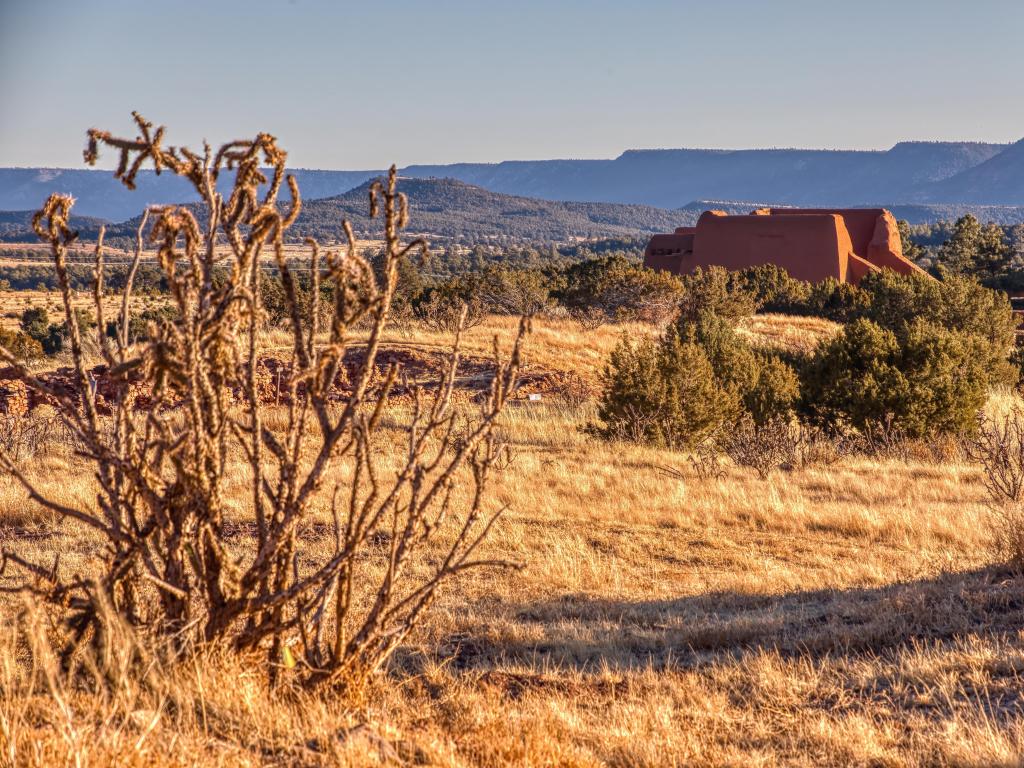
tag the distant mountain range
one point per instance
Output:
(999, 179)
(920, 181)
(17, 225)
(99, 194)
(452, 209)
(440, 208)
(910, 172)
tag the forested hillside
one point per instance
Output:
(450, 209)
(447, 210)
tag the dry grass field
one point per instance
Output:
(13, 303)
(842, 614)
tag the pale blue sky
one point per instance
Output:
(363, 84)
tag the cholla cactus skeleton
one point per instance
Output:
(161, 475)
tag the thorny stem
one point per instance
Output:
(161, 471)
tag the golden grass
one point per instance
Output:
(786, 332)
(555, 343)
(840, 615)
(13, 303)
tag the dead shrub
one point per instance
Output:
(24, 436)
(634, 424)
(1008, 533)
(885, 439)
(574, 391)
(762, 447)
(816, 447)
(171, 567)
(938, 449)
(999, 447)
(705, 460)
(444, 313)
(403, 321)
(588, 318)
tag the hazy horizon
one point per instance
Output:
(350, 87)
(108, 162)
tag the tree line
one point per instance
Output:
(990, 252)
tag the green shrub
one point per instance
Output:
(894, 301)
(733, 361)
(496, 288)
(56, 335)
(664, 393)
(410, 285)
(931, 382)
(1017, 365)
(139, 323)
(275, 300)
(774, 394)
(53, 341)
(718, 291)
(766, 386)
(699, 377)
(854, 378)
(958, 304)
(507, 291)
(619, 289)
(835, 300)
(35, 322)
(21, 345)
(916, 354)
(773, 290)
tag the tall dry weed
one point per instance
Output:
(169, 569)
(999, 448)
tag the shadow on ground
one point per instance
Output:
(590, 633)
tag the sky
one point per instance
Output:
(359, 85)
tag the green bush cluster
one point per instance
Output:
(916, 353)
(716, 290)
(926, 381)
(620, 289)
(25, 277)
(51, 337)
(35, 323)
(697, 378)
(139, 324)
(612, 288)
(20, 344)
(663, 392)
(494, 289)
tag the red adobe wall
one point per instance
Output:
(873, 232)
(808, 247)
(860, 222)
(857, 268)
(809, 243)
(886, 249)
(666, 251)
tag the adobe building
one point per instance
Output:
(809, 243)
